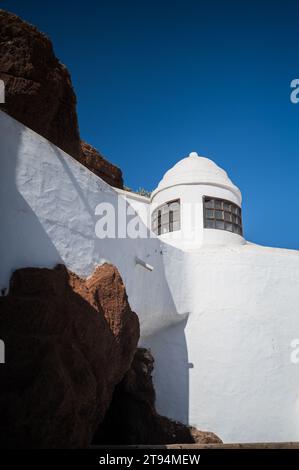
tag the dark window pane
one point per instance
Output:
(209, 203)
(159, 222)
(175, 215)
(174, 206)
(220, 224)
(226, 216)
(165, 218)
(170, 221)
(210, 223)
(155, 223)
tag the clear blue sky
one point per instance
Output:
(156, 79)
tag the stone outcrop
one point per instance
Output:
(68, 342)
(133, 419)
(92, 159)
(39, 93)
(38, 88)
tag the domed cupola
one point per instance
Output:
(196, 170)
(196, 203)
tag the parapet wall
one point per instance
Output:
(48, 208)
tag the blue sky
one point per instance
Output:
(156, 79)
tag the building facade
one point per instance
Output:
(218, 313)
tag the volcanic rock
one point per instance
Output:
(39, 93)
(68, 342)
(92, 159)
(133, 419)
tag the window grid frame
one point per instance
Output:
(157, 216)
(237, 227)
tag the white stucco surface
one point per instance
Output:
(196, 170)
(235, 350)
(219, 313)
(48, 204)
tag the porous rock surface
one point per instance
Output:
(92, 159)
(39, 93)
(68, 342)
(132, 418)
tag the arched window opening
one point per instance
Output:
(222, 215)
(166, 218)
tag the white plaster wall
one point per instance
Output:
(138, 203)
(219, 320)
(244, 332)
(48, 203)
(236, 348)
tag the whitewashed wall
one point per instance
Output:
(48, 203)
(219, 320)
(235, 353)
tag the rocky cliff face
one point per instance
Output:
(68, 342)
(92, 159)
(39, 93)
(133, 419)
(38, 87)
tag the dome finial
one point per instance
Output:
(193, 154)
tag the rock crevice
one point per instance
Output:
(132, 418)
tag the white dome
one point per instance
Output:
(196, 170)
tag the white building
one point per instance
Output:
(218, 313)
(196, 186)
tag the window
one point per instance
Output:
(223, 215)
(166, 218)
